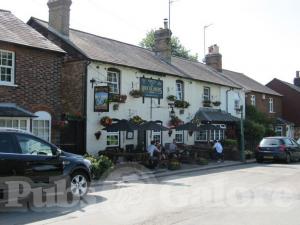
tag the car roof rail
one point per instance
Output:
(14, 130)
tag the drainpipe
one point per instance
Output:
(230, 89)
(85, 86)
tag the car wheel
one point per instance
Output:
(79, 184)
(288, 158)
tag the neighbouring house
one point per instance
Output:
(263, 98)
(290, 100)
(105, 79)
(30, 79)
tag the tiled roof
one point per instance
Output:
(116, 52)
(12, 110)
(13, 30)
(290, 85)
(214, 115)
(248, 83)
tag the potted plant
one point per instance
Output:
(181, 104)
(216, 103)
(98, 135)
(136, 93)
(171, 98)
(206, 103)
(136, 120)
(106, 121)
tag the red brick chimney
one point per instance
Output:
(214, 58)
(297, 79)
(162, 44)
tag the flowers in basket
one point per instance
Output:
(106, 121)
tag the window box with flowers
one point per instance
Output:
(181, 104)
(117, 98)
(106, 121)
(136, 93)
(171, 98)
(206, 103)
(216, 103)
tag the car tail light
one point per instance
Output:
(282, 148)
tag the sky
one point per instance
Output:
(260, 38)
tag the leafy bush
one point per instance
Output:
(202, 161)
(100, 165)
(230, 142)
(174, 164)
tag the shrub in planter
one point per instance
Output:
(171, 98)
(181, 104)
(136, 93)
(174, 164)
(202, 161)
(136, 120)
(100, 165)
(106, 121)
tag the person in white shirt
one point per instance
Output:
(152, 148)
(219, 150)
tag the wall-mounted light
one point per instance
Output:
(172, 112)
(92, 81)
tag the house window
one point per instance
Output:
(113, 79)
(179, 90)
(14, 123)
(206, 93)
(253, 100)
(6, 67)
(278, 130)
(201, 135)
(179, 136)
(271, 105)
(156, 136)
(237, 104)
(112, 139)
(41, 125)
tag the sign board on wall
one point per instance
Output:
(151, 88)
(101, 99)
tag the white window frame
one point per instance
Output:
(198, 136)
(113, 134)
(12, 67)
(271, 105)
(179, 133)
(179, 90)
(40, 131)
(12, 120)
(206, 96)
(156, 133)
(253, 100)
(117, 82)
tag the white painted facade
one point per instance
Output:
(129, 79)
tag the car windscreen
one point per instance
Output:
(270, 142)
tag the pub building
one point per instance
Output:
(105, 79)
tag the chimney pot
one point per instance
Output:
(166, 24)
(297, 79)
(214, 58)
(162, 44)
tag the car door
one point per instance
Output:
(8, 155)
(41, 164)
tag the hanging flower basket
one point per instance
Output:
(115, 107)
(175, 121)
(206, 103)
(181, 104)
(136, 93)
(190, 132)
(106, 121)
(171, 98)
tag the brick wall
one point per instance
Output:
(38, 80)
(262, 105)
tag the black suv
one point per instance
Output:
(24, 155)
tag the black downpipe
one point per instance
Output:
(85, 86)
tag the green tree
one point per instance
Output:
(176, 47)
